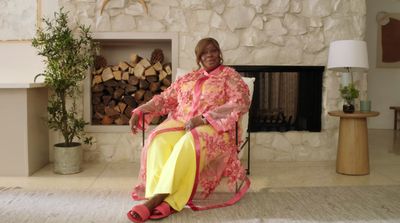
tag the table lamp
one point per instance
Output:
(347, 56)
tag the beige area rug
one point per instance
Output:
(308, 204)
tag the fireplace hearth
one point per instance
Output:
(273, 120)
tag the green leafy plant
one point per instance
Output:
(68, 58)
(349, 93)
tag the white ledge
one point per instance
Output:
(21, 85)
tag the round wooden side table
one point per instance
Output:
(352, 156)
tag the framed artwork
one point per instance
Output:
(388, 45)
(18, 19)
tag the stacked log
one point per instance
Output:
(118, 89)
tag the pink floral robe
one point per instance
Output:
(222, 98)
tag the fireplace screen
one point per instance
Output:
(285, 97)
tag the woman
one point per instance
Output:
(186, 156)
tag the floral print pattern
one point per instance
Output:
(221, 97)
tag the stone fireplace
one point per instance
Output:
(251, 32)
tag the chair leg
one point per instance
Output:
(238, 186)
(236, 134)
(248, 153)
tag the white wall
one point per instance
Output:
(19, 62)
(383, 83)
(48, 8)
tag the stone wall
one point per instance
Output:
(251, 32)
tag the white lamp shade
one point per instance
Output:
(348, 54)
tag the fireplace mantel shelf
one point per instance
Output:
(15, 85)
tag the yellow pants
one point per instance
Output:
(171, 164)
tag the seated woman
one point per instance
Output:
(186, 157)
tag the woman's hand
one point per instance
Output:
(194, 122)
(133, 122)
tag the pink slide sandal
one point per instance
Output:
(163, 210)
(140, 210)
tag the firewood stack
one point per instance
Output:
(118, 89)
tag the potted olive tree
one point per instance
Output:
(68, 58)
(348, 93)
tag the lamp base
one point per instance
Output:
(346, 79)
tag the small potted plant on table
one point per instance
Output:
(348, 93)
(68, 57)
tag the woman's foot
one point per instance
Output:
(163, 210)
(141, 212)
(155, 201)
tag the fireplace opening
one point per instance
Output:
(285, 98)
(132, 67)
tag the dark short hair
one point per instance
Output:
(202, 44)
